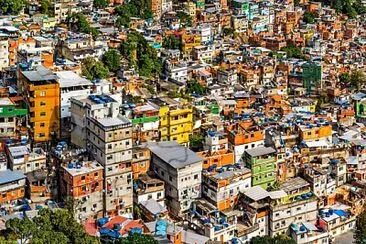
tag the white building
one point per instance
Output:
(180, 169)
(24, 159)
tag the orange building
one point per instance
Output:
(12, 184)
(42, 94)
(217, 159)
(83, 182)
(140, 161)
(314, 132)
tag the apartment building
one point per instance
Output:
(12, 186)
(242, 137)
(215, 141)
(81, 182)
(41, 92)
(93, 106)
(176, 120)
(4, 51)
(336, 221)
(216, 159)
(71, 85)
(25, 160)
(10, 115)
(262, 162)
(180, 169)
(223, 189)
(77, 48)
(297, 205)
(110, 141)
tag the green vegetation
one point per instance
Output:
(293, 51)
(281, 239)
(12, 7)
(360, 230)
(98, 4)
(309, 17)
(112, 60)
(349, 7)
(93, 69)
(58, 226)
(355, 79)
(172, 42)
(141, 55)
(134, 8)
(47, 8)
(79, 23)
(228, 31)
(137, 239)
(195, 87)
(185, 19)
(196, 142)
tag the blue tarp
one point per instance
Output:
(341, 213)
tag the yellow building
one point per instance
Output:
(42, 93)
(190, 41)
(176, 120)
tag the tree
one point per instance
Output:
(12, 7)
(196, 142)
(357, 78)
(185, 19)
(195, 87)
(360, 230)
(172, 42)
(79, 23)
(93, 69)
(345, 78)
(112, 60)
(137, 239)
(280, 239)
(46, 7)
(309, 17)
(228, 31)
(22, 228)
(98, 4)
(293, 51)
(141, 55)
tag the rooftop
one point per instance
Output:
(9, 176)
(77, 168)
(260, 151)
(174, 154)
(39, 73)
(70, 79)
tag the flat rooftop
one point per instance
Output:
(260, 151)
(40, 73)
(5, 101)
(8, 176)
(70, 79)
(110, 122)
(76, 168)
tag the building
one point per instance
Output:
(81, 183)
(223, 189)
(180, 169)
(140, 161)
(71, 85)
(25, 160)
(12, 186)
(147, 188)
(41, 92)
(93, 106)
(10, 116)
(262, 162)
(176, 120)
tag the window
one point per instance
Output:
(42, 114)
(170, 178)
(42, 104)
(83, 177)
(41, 125)
(41, 135)
(42, 93)
(195, 177)
(10, 119)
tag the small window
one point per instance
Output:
(41, 125)
(42, 93)
(42, 114)
(42, 103)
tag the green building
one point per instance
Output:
(9, 113)
(262, 162)
(311, 76)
